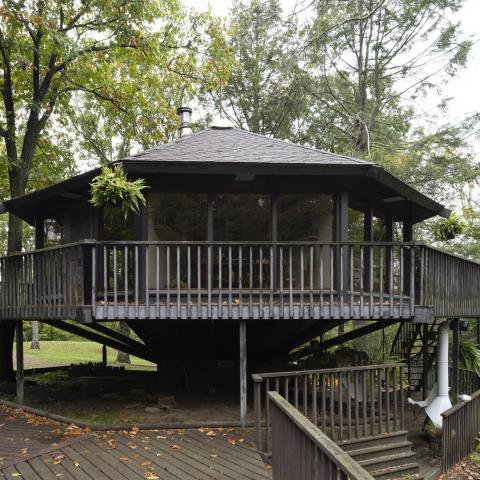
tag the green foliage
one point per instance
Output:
(448, 228)
(112, 188)
(433, 431)
(470, 356)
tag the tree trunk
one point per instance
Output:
(123, 357)
(35, 343)
(7, 327)
(7, 330)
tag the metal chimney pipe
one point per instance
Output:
(185, 114)
(441, 402)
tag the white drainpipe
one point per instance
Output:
(441, 402)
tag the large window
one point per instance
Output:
(53, 233)
(177, 216)
(243, 217)
(116, 226)
(305, 217)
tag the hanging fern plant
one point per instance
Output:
(112, 189)
(448, 228)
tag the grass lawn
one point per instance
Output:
(56, 353)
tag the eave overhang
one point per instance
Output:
(27, 206)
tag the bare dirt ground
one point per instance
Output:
(128, 397)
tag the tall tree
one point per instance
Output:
(58, 56)
(263, 92)
(371, 60)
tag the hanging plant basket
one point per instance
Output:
(448, 228)
(112, 189)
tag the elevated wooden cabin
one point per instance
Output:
(239, 229)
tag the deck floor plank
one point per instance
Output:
(33, 448)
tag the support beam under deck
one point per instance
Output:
(243, 372)
(20, 363)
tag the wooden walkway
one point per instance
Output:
(33, 448)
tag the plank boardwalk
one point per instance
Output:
(33, 448)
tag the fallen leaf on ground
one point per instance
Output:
(146, 463)
(211, 433)
(175, 447)
(151, 476)
(232, 441)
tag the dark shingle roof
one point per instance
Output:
(234, 145)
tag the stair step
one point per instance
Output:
(373, 441)
(387, 461)
(391, 473)
(380, 450)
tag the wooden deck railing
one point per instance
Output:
(450, 284)
(460, 431)
(346, 403)
(215, 280)
(44, 284)
(301, 450)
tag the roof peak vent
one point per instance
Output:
(221, 123)
(185, 114)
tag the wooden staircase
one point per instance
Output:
(408, 345)
(384, 456)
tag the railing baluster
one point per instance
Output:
(229, 282)
(125, 251)
(199, 282)
(105, 283)
(381, 284)
(240, 282)
(157, 280)
(209, 280)
(280, 253)
(290, 282)
(270, 313)
(115, 286)
(250, 282)
(362, 276)
(220, 300)
(261, 283)
(94, 277)
(179, 280)
(169, 309)
(312, 305)
(302, 286)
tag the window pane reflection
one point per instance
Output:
(306, 218)
(244, 217)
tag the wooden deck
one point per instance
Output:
(33, 448)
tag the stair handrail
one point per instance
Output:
(286, 454)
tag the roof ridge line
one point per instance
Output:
(312, 149)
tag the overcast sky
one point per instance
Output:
(464, 88)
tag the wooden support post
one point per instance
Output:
(210, 208)
(19, 352)
(456, 359)
(388, 224)
(140, 231)
(407, 233)
(104, 356)
(274, 235)
(341, 254)
(39, 232)
(243, 372)
(367, 237)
